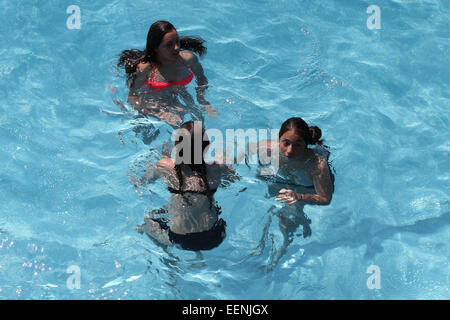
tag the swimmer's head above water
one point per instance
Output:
(191, 143)
(295, 135)
(163, 45)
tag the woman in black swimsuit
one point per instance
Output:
(194, 222)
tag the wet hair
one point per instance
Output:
(129, 59)
(199, 168)
(311, 135)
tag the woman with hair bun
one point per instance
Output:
(302, 165)
(303, 177)
(157, 76)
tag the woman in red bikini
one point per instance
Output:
(157, 77)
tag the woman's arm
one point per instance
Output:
(228, 173)
(202, 82)
(158, 170)
(150, 176)
(134, 100)
(322, 184)
(137, 83)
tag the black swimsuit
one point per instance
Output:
(206, 192)
(205, 240)
(195, 241)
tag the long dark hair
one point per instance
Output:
(199, 168)
(311, 135)
(129, 59)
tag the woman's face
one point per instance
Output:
(291, 144)
(169, 47)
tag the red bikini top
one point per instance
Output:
(160, 85)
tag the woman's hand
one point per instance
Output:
(210, 111)
(288, 196)
(138, 182)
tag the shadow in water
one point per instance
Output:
(288, 224)
(369, 232)
(146, 132)
(372, 233)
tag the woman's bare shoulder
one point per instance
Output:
(143, 66)
(187, 56)
(317, 163)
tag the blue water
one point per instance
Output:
(68, 152)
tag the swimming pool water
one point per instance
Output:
(68, 152)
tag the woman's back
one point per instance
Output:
(191, 204)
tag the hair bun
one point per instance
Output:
(316, 134)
